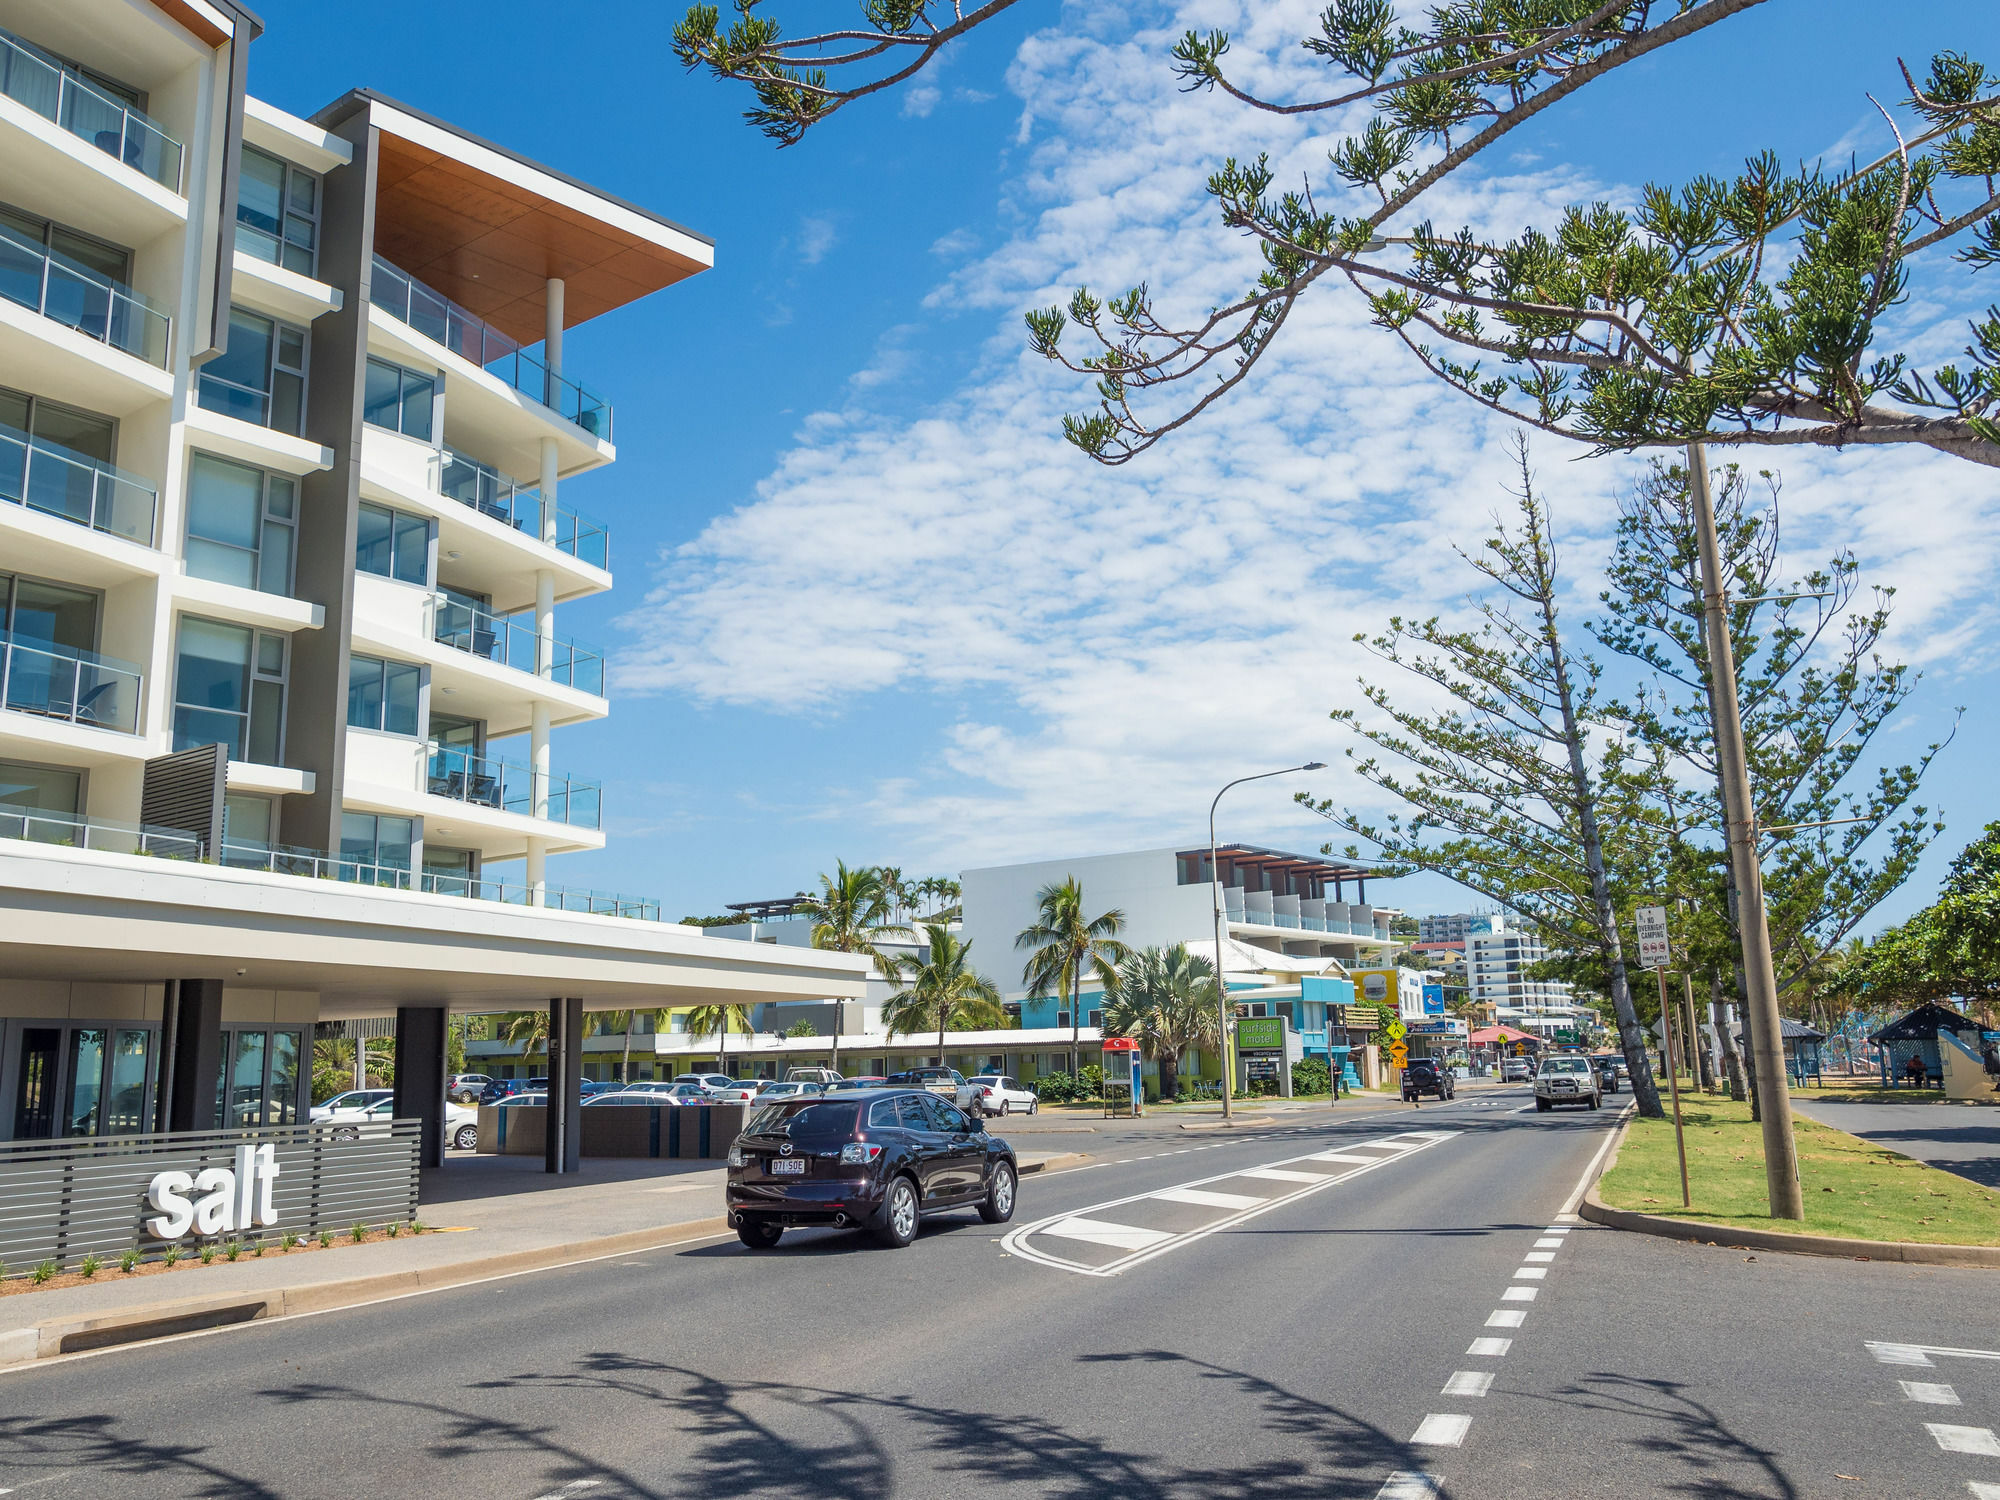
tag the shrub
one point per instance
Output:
(171, 1255)
(128, 1261)
(1310, 1076)
(46, 1271)
(325, 1238)
(418, 1226)
(208, 1255)
(393, 1229)
(87, 1267)
(234, 1252)
(287, 1240)
(358, 1230)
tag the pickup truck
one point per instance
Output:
(943, 1081)
(827, 1076)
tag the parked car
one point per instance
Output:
(705, 1080)
(465, 1088)
(634, 1095)
(1516, 1070)
(812, 1075)
(499, 1088)
(865, 1081)
(524, 1098)
(1426, 1075)
(461, 1126)
(794, 1088)
(347, 1124)
(1567, 1079)
(997, 1094)
(353, 1102)
(879, 1159)
(737, 1091)
(944, 1081)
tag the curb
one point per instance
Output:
(153, 1320)
(1694, 1231)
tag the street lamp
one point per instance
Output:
(1215, 891)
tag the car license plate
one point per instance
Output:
(788, 1166)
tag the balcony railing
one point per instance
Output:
(554, 898)
(508, 786)
(60, 682)
(70, 293)
(30, 77)
(69, 831)
(469, 336)
(513, 643)
(514, 504)
(309, 864)
(46, 477)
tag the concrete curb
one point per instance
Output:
(1694, 1231)
(151, 1320)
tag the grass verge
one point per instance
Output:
(1853, 1188)
(1869, 1095)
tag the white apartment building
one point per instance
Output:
(289, 456)
(1498, 954)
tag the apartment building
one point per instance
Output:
(1498, 955)
(290, 463)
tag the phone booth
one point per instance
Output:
(1124, 1093)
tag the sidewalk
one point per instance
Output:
(488, 1216)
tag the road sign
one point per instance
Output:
(1396, 1031)
(1398, 1053)
(1655, 952)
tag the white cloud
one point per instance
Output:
(1106, 646)
(816, 237)
(920, 100)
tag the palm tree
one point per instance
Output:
(528, 1028)
(625, 1021)
(852, 914)
(1060, 942)
(944, 991)
(1166, 1002)
(720, 1019)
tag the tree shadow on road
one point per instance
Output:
(34, 1448)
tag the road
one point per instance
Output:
(1377, 1306)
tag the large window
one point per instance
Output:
(52, 790)
(399, 399)
(277, 212)
(241, 525)
(377, 840)
(392, 545)
(261, 377)
(229, 686)
(258, 1082)
(82, 1080)
(384, 695)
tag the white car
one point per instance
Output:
(461, 1126)
(736, 1091)
(997, 1094)
(1566, 1080)
(792, 1088)
(350, 1105)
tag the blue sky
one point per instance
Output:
(870, 607)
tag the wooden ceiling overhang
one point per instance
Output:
(488, 228)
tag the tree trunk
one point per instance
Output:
(1732, 1060)
(625, 1062)
(1075, 1015)
(1170, 1077)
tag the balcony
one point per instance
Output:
(520, 507)
(465, 334)
(31, 78)
(508, 786)
(51, 479)
(68, 831)
(77, 687)
(69, 293)
(511, 643)
(310, 864)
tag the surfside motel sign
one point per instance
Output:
(216, 1200)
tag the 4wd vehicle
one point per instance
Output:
(876, 1159)
(944, 1081)
(1566, 1080)
(1426, 1075)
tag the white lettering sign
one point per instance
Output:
(216, 1200)
(1655, 952)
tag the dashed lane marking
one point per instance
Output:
(1539, 1257)
(1413, 1484)
(1468, 1383)
(1280, 1174)
(1519, 1294)
(1531, 1273)
(1203, 1198)
(1929, 1393)
(1442, 1429)
(1919, 1354)
(1506, 1317)
(1491, 1348)
(1982, 1490)
(1979, 1440)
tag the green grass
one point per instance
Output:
(1853, 1188)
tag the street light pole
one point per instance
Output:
(1215, 893)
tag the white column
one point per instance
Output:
(545, 604)
(538, 775)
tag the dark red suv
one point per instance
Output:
(878, 1159)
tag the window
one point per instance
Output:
(383, 695)
(1094, 1018)
(229, 687)
(377, 840)
(241, 525)
(44, 616)
(451, 872)
(261, 376)
(277, 212)
(258, 1079)
(45, 789)
(399, 399)
(82, 433)
(393, 545)
(248, 820)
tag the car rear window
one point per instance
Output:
(820, 1120)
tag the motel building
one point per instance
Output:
(295, 481)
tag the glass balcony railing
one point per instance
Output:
(31, 77)
(309, 864)
(511, 503)
(66, 830)
(513, 643)
(49, 478)
(509, 786)
(59, 682)
(70, 293)
(467, 335)
(554, 898)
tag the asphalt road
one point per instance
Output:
(1314, 1310)
(1956, 1137)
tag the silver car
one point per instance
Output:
(1566, 1080)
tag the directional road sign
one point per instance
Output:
(1655, 952)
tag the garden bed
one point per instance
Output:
(15, 1281)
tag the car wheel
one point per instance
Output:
(1006, 1105)
(1595, 1100)
(1541, 1106)
(759, 1235)
(1035, 1107)
(999, 1205)
(467, 1138)
(346, 1133)
(899, 1214)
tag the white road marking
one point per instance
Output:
(1492, 1348)
(1203, 1198)
(1539, 1257)
(1557, 1229)
(1531, 1273)
(1549, 1242)
(1468, 1383)
(1098, 1232)
(1519, 1294)
(1979, 1440)
(1929, 1392)
(1442, 1430)
(1983, 1491)
(1411, 1484)
(1506, 1317)
(574, 1487)
(1279, 1174)
(1341, 1156)
(1914, 1354)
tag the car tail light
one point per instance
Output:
(858, 1153)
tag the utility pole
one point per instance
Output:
(1760, 997)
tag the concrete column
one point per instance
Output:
(552, 330)
(538, 776)
(197, 1055)
(420, 1067)
(561, 1152)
